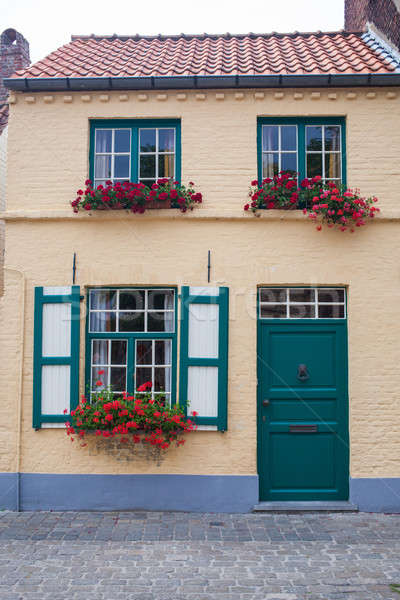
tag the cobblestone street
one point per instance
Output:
(181, 556)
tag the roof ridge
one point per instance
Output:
(187, 36)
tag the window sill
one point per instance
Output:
(201, 213)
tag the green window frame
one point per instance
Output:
(129, 154)
(131, 339)
(302, 124)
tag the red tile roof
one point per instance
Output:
(215, 55)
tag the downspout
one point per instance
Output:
(20, 386)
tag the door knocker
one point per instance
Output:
(302, 373)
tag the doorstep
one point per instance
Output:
(339, 506)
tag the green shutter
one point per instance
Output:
(56, 354)
(204, 354)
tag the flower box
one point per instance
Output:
(136, 197)
(155, 203)
(328, 202)
(140, 419)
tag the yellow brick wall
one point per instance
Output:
(3, 178)
(48, 143)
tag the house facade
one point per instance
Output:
(282, 338)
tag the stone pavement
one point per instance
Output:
(187, 556)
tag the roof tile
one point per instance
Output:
(209, 55)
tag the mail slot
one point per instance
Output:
(303, 428)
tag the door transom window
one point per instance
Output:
(302, 303)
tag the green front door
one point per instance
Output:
(303, 409)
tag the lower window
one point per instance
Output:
(131, 339)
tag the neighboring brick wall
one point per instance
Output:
(355, 14)
(384, 15)
(14, 55)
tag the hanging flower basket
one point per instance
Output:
(133, 420)
(136, 197)
(327, 203)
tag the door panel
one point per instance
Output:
(311, 452)
(303, 429)
(287, 348)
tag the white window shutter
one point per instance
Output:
(56, 354)
(204, 354)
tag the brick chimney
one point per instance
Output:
(381, 16)
(14, 55)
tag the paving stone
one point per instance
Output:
(190, 556)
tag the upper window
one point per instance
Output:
(306, 146)
(137, 151)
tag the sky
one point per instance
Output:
(48, 24)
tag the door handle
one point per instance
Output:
(266, 402)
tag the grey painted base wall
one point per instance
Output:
(376, 495)
(197, 493)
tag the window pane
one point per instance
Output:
(148, 166)
(103, 140)
(122, 141)
(159, 379)
(118, 379)
(156, 321)
(147, 140)
(163, 352)
(121, 166)
(97, 377)
(332, 138)
(270, 164)
(333, 295)
(166, 140)
(302, 311)
(289, 137)
(103, 299)
(100, 352)
(131, 300)
(277, 311)
(273, 295)
(102, 167)
(131, 321)
(301, 295)
(159, 300)
(166, 165)
(99, 182)
(102, 321)
(289, 162)
(314, 165)
(143, 375)
(332, 166)
(270, 139)
(314, 138)
(144, 352)
(331, 311)
(118, 352)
